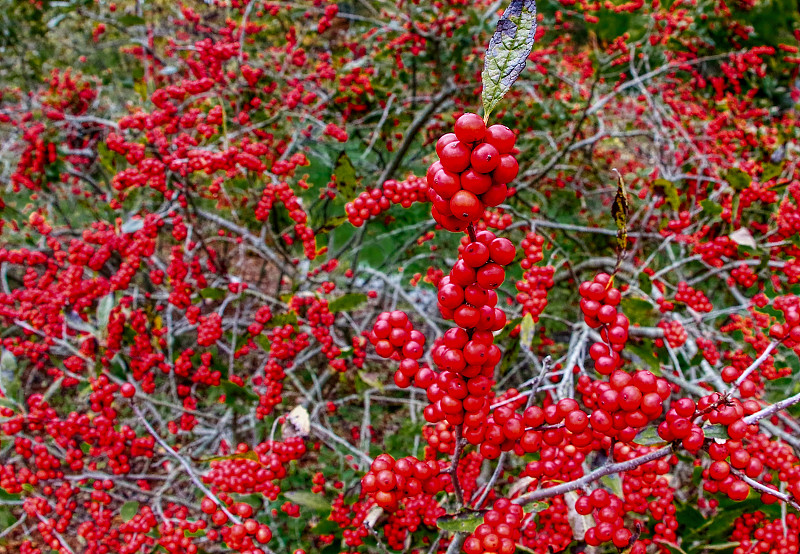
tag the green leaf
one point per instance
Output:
(280, 320)
(508, 51)
(613, 483)
(737, 178)
(770, 172)
(129, 510)
(619, 211)
(104, 310)
(249, 455)
(716, 432)
(308, 500)
(648, 437)
(711, 208)
(5, 495)
(638, 311)
(535, 507)
(8, 362)
(370, 380)
(346, 180)
(347, 303)
(129, 20)
(213, 293)
(465, 522)
(673, 548)
(667, 188)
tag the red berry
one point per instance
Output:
(495, 196)
(506, 171)
(456, 156)
(443, 141)
(491, 276)
(470, 128)
(484, 158)
(501, 137)
(466, 206)
(502, 251)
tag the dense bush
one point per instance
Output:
(215, 230)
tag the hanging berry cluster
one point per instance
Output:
(475, 165)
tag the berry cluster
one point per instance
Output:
(599, 301)
(536, 280)
(695, 299)
(393, 336)
(499, 532)
(371, 203)
(674, 334)
(608, 511)
(679, 425)
(467, 295)
(625, 403)
(475, 165)
(388, 480)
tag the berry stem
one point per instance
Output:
(453, 471)
(471, 230)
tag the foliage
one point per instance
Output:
(206, 205)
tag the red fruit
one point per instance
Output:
(446, 183)
(384, 348)
(502, 251)
(456, 338)
(495, 196)
(462, 274)
(441, 205)
(474, 182)
(719, 471)
(474, 294)
(475, 353)
(738, 490)
(413, 350)
(398, 318)
(127, 390)
(621, 537)
(207, 506)
(484, 158)
(466, 316)
(491, 276)
(455, 156)
(501, 137)
(470, 128)
(432, 169)
(506, 171)
(443, 141)
(499, 320)
(476, 254)
(513, 429)
(451, 296)
(424, 378)
(466, 206)
(576, 421)
(630, 398)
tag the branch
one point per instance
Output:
(593, 476)
(189, 469)
(411, 133)
(755, 365)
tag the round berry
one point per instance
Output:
(466, 206)
(456, 156)
(484, 158)
(501, 137)
(470, 128)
